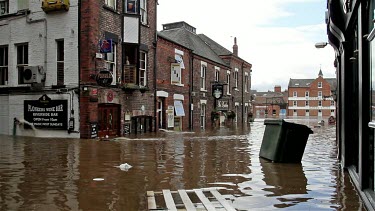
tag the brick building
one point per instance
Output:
(190, 66)
(117, 57)
(270, 104)
(39, 68)
(312, 97)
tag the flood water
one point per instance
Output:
(58, 174)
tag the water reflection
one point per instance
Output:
(58, 174)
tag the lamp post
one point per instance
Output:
(321, 44)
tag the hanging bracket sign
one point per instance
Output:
(104, 78)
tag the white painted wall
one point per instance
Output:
(40, 31)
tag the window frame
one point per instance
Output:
(4, 64)
(236, 78)
(134, 9)
(295, 94)
(228, 82)
(320, 94)
(320, 103)
(203, 76)
(307, 94)
(203, 115)
(5, 7)
(60, 57)
(22, 62)
(320, 84)
(217, 74)
(109, 3)
(142, 70)
(143, 11)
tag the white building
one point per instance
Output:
(39, 68)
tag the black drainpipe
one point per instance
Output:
(191, 61)
(243, 92)
(155, 67)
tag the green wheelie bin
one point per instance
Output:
(284, 142)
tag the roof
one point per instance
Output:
(297, 83)
(193, 42)
(216, 47)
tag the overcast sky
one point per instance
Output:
(276, 36)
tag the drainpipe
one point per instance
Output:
(155, 67)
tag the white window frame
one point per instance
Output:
(143, 11)
(320, 84)
(236, 78)
(306, 103)
(294, 103)
(142, 71)
(294, 94)
(307, 94)
(176, 74)
(246, 82)
(4, 69)
(320, 93)
(228, 82)
(24, 62)
(217, 74)
(110, 63)
(332, 103)
(203, 76)
(111, 3)
(135, 6)
(319, 103)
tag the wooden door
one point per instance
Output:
(109, 120)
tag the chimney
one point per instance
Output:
(235, 47)
(277, 88)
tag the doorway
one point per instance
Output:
(109, 120)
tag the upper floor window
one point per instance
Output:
(228, 82)
(111, 3)
(22, 60)
(320, 84)
(236, 77)
(142, 68)
(203, 76)
(3, 65)
(307, 94)
(246, 86)
(320, 94)
(131, 6)
(319, 103)
(110, 62)
(294, 94)
(4, 7)
(60, 61)
(175, 73)
(217, 74)
(294, 103)
(143, 11)
(332, 103)
(307, 103)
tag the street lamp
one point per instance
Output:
(321, 44)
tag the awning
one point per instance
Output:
(179, 108)
(335, 24)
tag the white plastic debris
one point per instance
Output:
(124, 167)
(98, 179)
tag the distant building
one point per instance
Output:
(312, 97)
(270, 104)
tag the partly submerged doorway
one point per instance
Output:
(109, 120)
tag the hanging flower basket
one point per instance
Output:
(231, 115)
(215, 115)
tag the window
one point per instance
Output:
(228, 82)
(217, 74)
(143, 11)
(4, 7)
(307, 111)
(332, 103)
(306, 94)
(294, 94)
(294, 103)
(3, 65)
(319, 103)
(110, 63)
(60, 61)
(142, 68)
(203, 76)
(236, 77)
(111, 3)
(246, 85)
(131, 6)
(320, 94)
(175, 73)
(320, 84)
(203, 116)
(307, 103)
(22, 60)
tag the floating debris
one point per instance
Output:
(98, 179)
(124, 167)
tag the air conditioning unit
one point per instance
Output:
(33, 74)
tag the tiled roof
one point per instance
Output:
(191, 41)
(216, 47)
(295, 83)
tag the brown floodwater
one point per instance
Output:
(58, 174)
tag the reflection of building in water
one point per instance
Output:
(285, 179)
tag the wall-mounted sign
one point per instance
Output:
(94, 130)
(217, 91)
(106, 46)
(104, 78)
(47, 113)
(110, 96)
(170, 116)
(222, 105)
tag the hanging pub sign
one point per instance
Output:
(106, 46)
(217, 90)
(222, 105)
(47, 113)
(104, 78)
